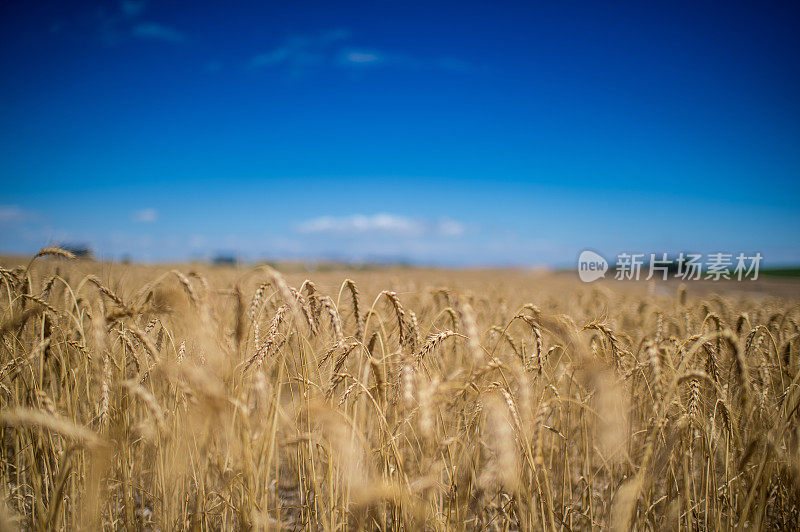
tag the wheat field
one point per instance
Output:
(200, 398)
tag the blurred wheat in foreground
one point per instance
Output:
(153, 399)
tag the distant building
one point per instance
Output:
(224, 260)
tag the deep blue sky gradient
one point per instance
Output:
(486, 133)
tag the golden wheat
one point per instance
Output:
(155, 399)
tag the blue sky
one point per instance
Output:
(438, 132)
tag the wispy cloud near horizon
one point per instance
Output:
(300, 51)
(120, 23)
(334, 48)
(382, 223)
(361, 57)
(367, 57)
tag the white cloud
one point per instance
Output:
(361, 58)
(122, 22)
(157, 32)
(145, 216)
(333, 48)
(11, 214)
(355, 57)
(449, 227)
(301, 50)
(379, 224)
(359, 223)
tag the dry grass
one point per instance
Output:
(141, 398)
